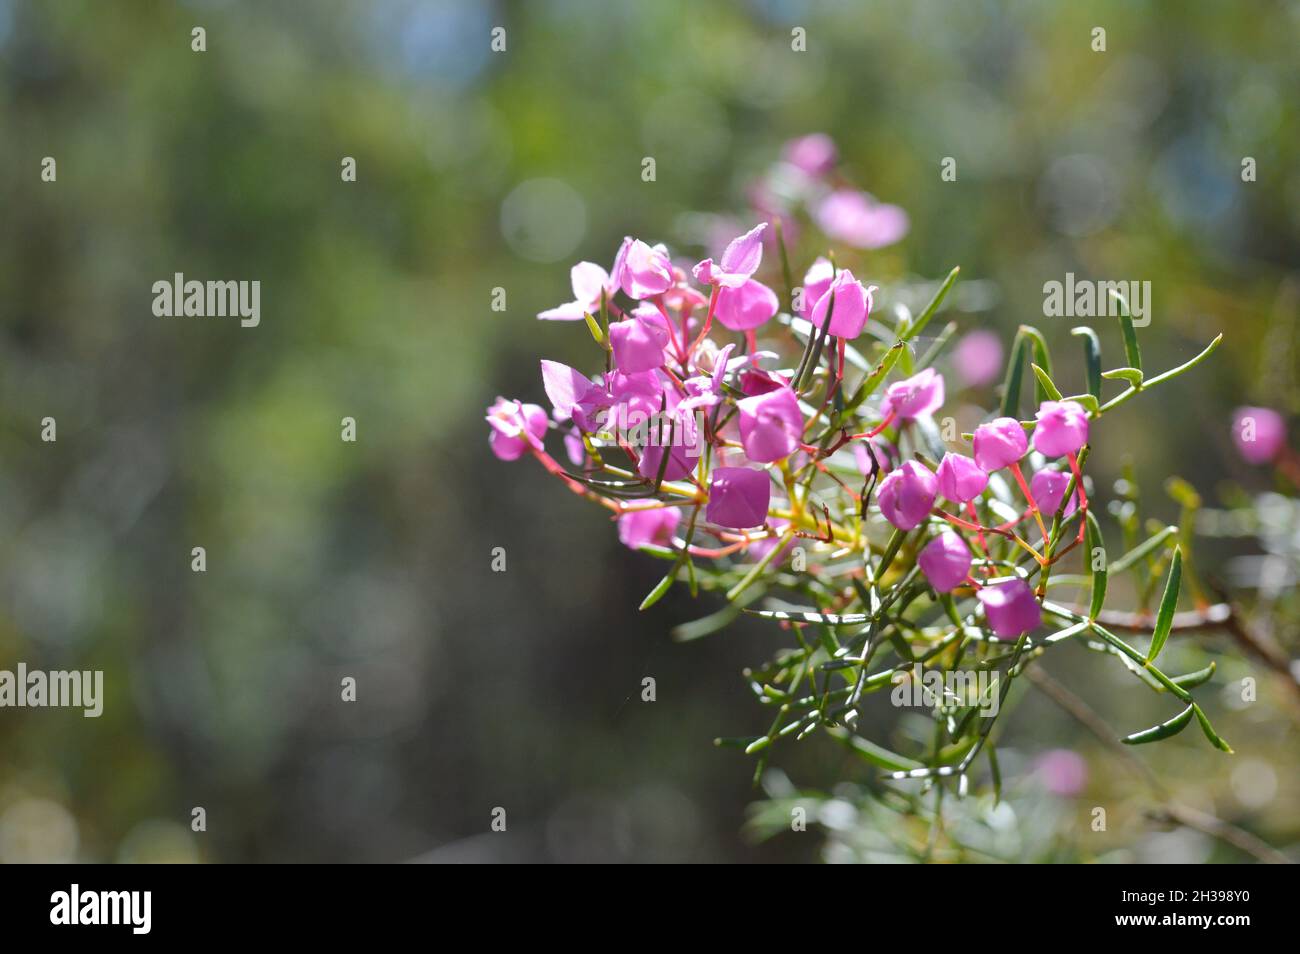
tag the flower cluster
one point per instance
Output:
(774, 440)
(667, 363)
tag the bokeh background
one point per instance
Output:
(480, 170)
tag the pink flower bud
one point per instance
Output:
(738, 497)
(945, 561)
(515, 428)
(745, 307)
(1010, 608)
(638, 342)
(1259, 433)
(642, 271)
(906, 495)
(1048, 487)
(816, 282)
(852, 306)
(999, 443)
(771, 425)
(913, 397)
(1062, 428)
(960, 478)
(656, 525)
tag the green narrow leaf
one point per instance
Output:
(875, 754)
(872, 381)
(1208, 729)
(1050, 391)
(1193, 679)
(1131, 348)
(1015, 373)
(1168, 603)
(1143, 549)
(594, 328)
(1162, 731)
(1132, 375)
(924, 318)
(1091, 358)
(655, 595)
(1099, 577)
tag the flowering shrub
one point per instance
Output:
(784, 451)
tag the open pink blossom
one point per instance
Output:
(738, 497)
(656, 525)
(589, 282)
(1259, 433)
(858, 219)
(916, 396)
(771, 425)
(999, 443)
(746, 306)
(816, 281)
(572, 393)
(906, 495)
(852, 306)
(1048, 489)
(638, 342)
(945, 561)
(814, 155)
(642, 271)
(739, 261)
(515, 428)
(1062, 428)
(960, 478)
(1010, 608)
(978, 358)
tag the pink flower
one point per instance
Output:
(638, 342)
(814, 154)
(771, 425)
(978, 358)
(945, 561)
(858, 219)
(1259, 433)
(704, 391)
(1062, 428)
(1063, 772)
(885, 453)
(589, 281)
(571, 393)
(636, 528)
(913, 397)
(652, 455)
(515, 428)
(815, 284)
(740, 260)
(642, 271)
(1048, 487)
(960, 478)
(906, 495)
(1010, 608)
(745, 306)
(574, 447)
(999, 443)
(738, 497)
(852, 306)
